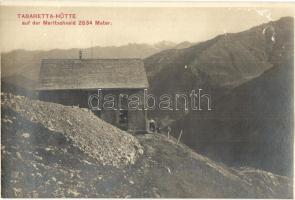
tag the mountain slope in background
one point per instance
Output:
(222, 63)
(227, 60)
(27, 63)
(39, 159)
(250, 126)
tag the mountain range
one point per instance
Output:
(227, 60)
(223, 62)
(27, 63)
(249, 76)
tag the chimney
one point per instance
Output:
(80, 54)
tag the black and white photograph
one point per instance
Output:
(138, 100)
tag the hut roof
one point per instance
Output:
(58, 74)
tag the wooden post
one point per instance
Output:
(168, 131)
(179, 136)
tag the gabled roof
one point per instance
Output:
(58, 74)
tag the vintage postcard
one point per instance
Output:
(147, 100)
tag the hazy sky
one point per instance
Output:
(129, 25)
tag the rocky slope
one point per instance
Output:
(50, 150)
(96, 138)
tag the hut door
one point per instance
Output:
(123, 119)
(123, 113)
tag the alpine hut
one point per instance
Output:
(72, 82)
